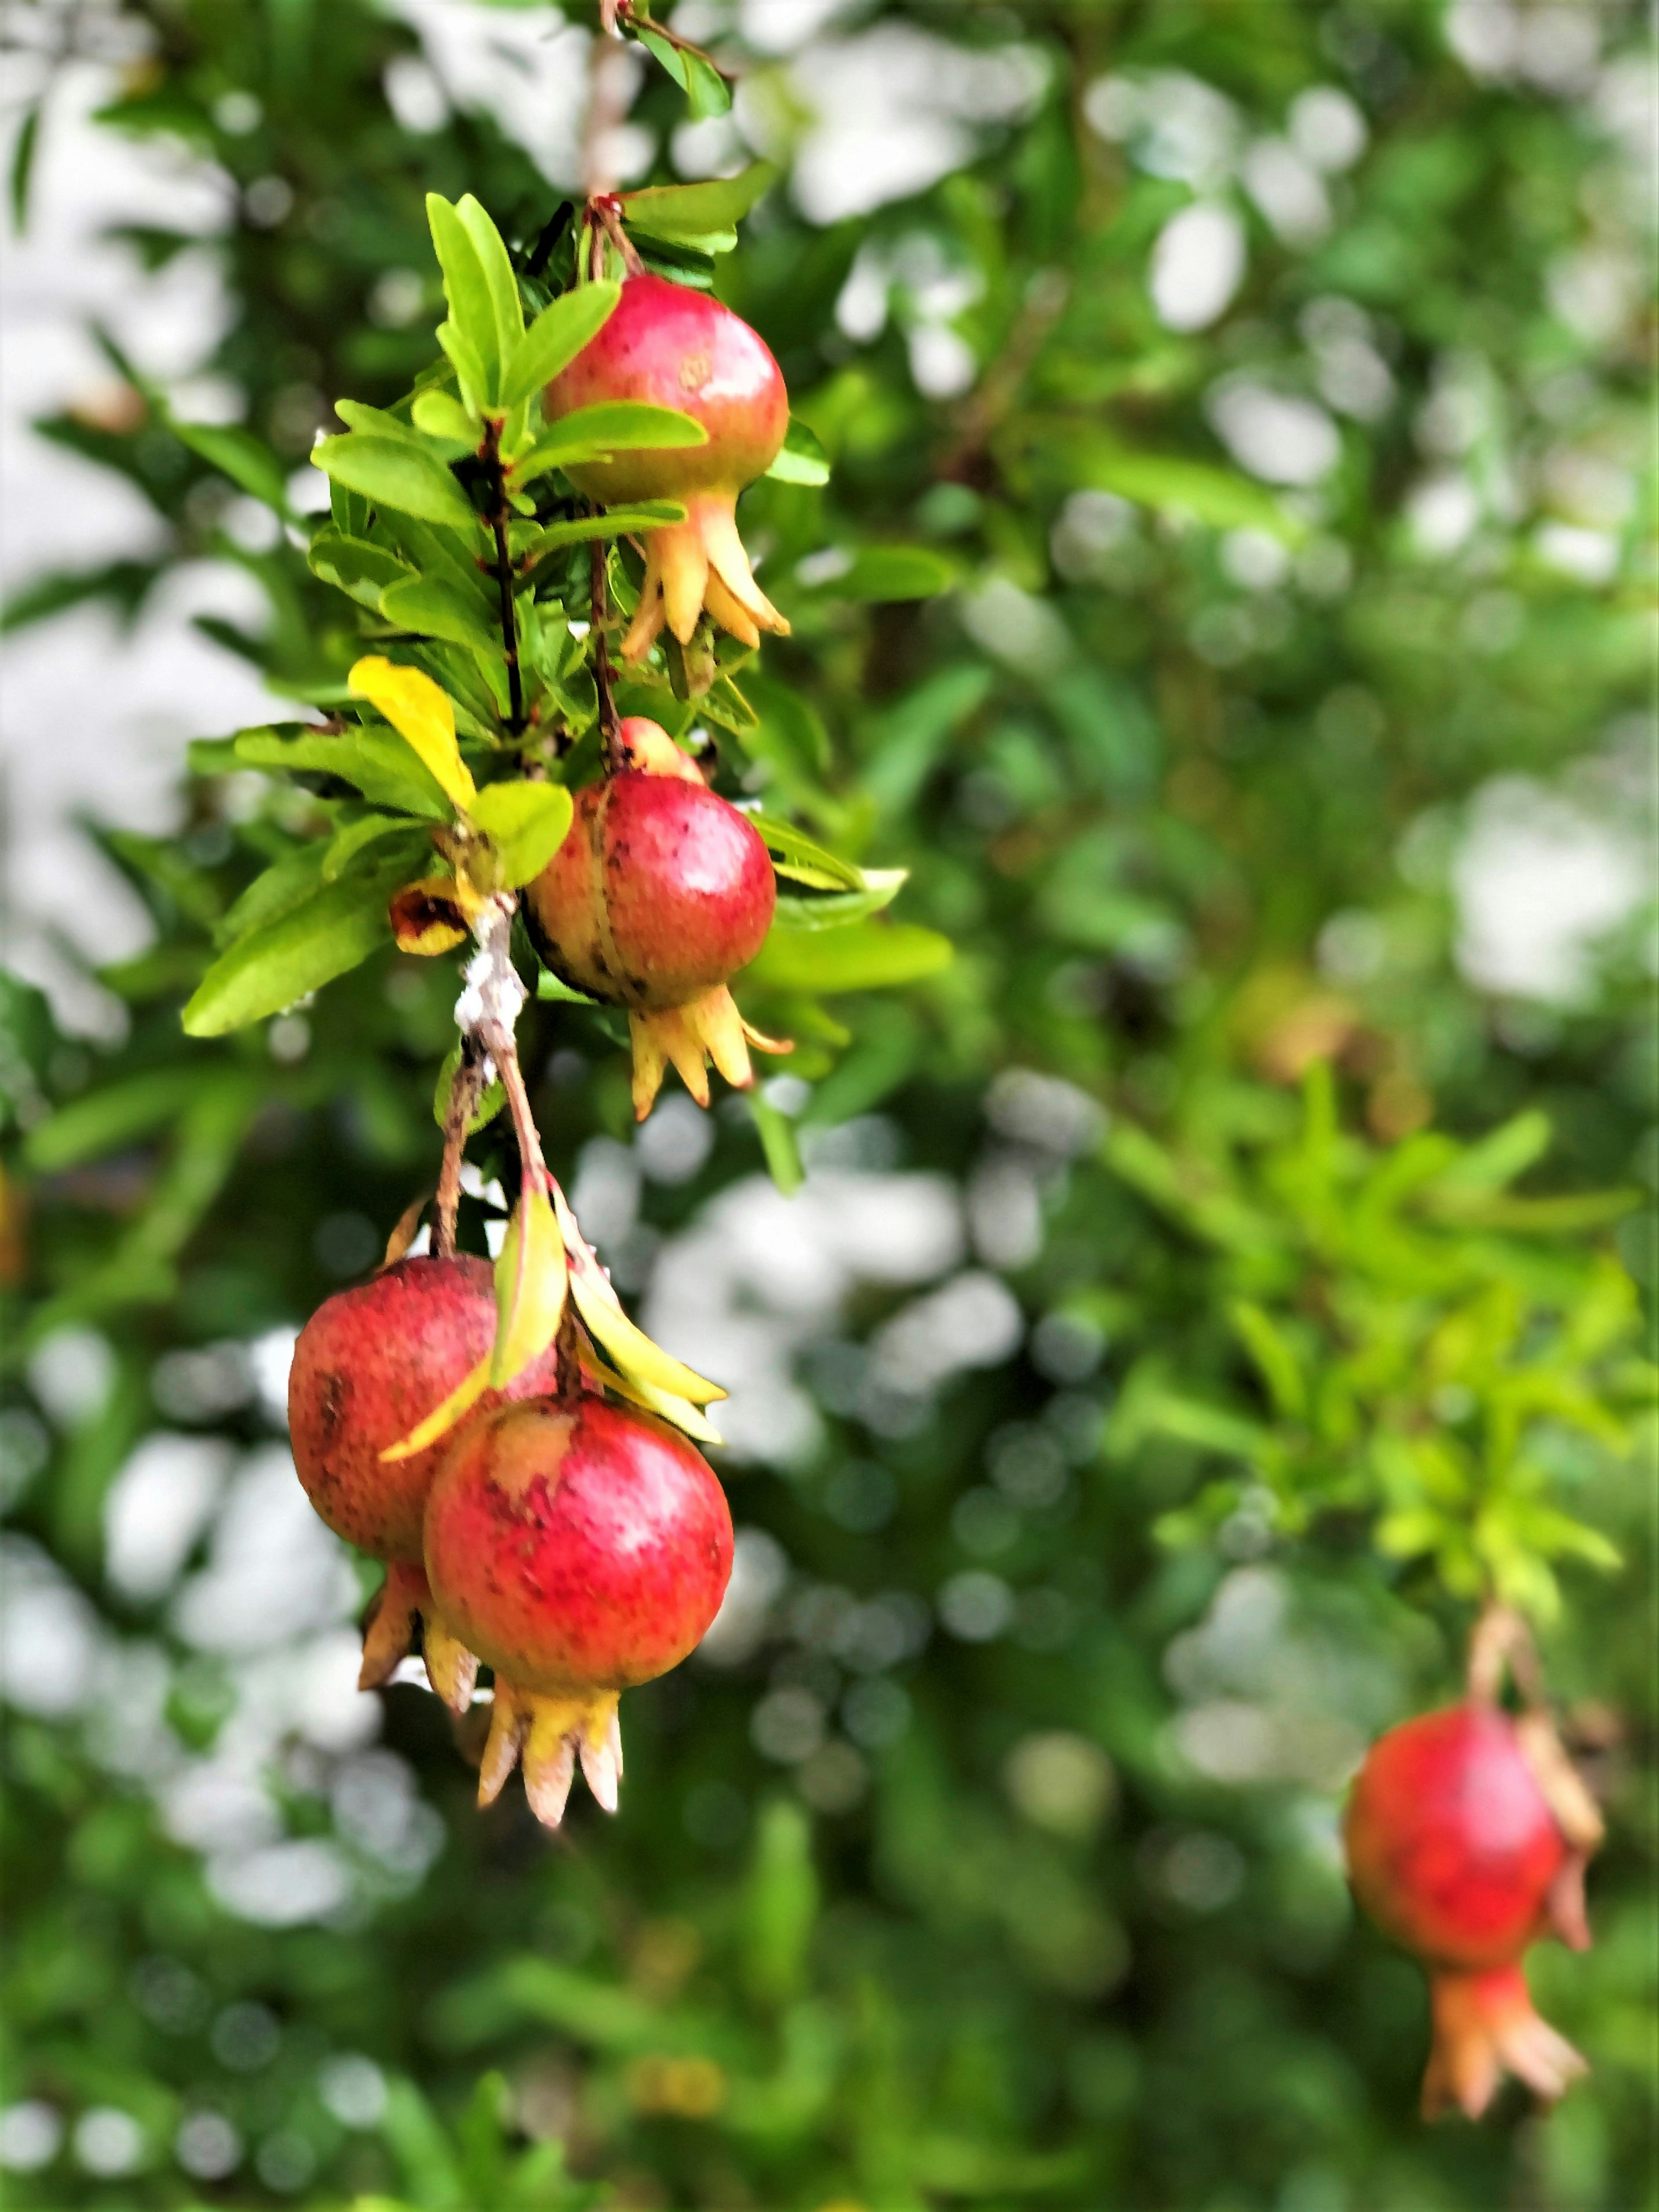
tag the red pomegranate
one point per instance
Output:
(370, 1364)
(581, 1550)
(1456, 1849)
(672, 347)
(660, 892)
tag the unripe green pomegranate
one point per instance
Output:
(672, 347)
(580, 1549)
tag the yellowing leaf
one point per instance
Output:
(422, 716)
(440, 1421)
(530, 1293)
(631, 1349)
(680, 1411)
(530, 1279)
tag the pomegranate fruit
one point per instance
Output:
(581, 1550)
(671, 347)
(660, 892)
(371, 1362)
(1456, 1849)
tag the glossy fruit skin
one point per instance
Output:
(672, 347)
(659, 891)
(370, 1364)
(1452, 1846)
(577, 1547)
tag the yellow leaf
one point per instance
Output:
(630, 1348)
(680, 1411)
(422, 716)
(440, 1421)
(530, 1279)
(530, 1293)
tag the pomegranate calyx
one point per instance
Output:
(548, 1733)
(1485, 2026)
(404, 1597)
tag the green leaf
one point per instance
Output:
(794, 854)
(354, 836)
(693, 212)
(126, 1114)
(801, 459)
(328, 934)
(381, 765)
(615, 522)
(870, 956)
(558, 334)
(884, 573)
(1171, 484)
(665, 51)
(467, 288)
(432, 610)
(241, 456)
(549, 986)
(286, 883)
(1274, 1356)
(835, 909)
(23, 164)
(490, 1102)
(468, 364)
(792, 731)
(440, 415)
(355, 566)
(614, 426)
(498, 276)
(395, 475)
(777, 1136)
(378, 422)
(707, 91)
(526, 822)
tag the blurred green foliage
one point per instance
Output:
(1000, 1870)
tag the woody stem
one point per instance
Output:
(458, 1118)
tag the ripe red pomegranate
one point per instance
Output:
(371, 1362)
(672, 347)
(581, 1550)
(1456, 1849)
(660, 892)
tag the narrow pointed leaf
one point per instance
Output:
(422, 714)
(497, 268)
(466, 287)
(388, 473)
(630, 1348)
(555, 338)
(531, 1283)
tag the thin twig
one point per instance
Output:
(459, 1110)
(1501, 1639)
(599, 612)
(610, 214)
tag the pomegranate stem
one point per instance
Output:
(600, 611)
(457, 1117)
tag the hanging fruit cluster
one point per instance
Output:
(1467, 1835)
(519, 1455)
(542, 541)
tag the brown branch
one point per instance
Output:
(462, 1104)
